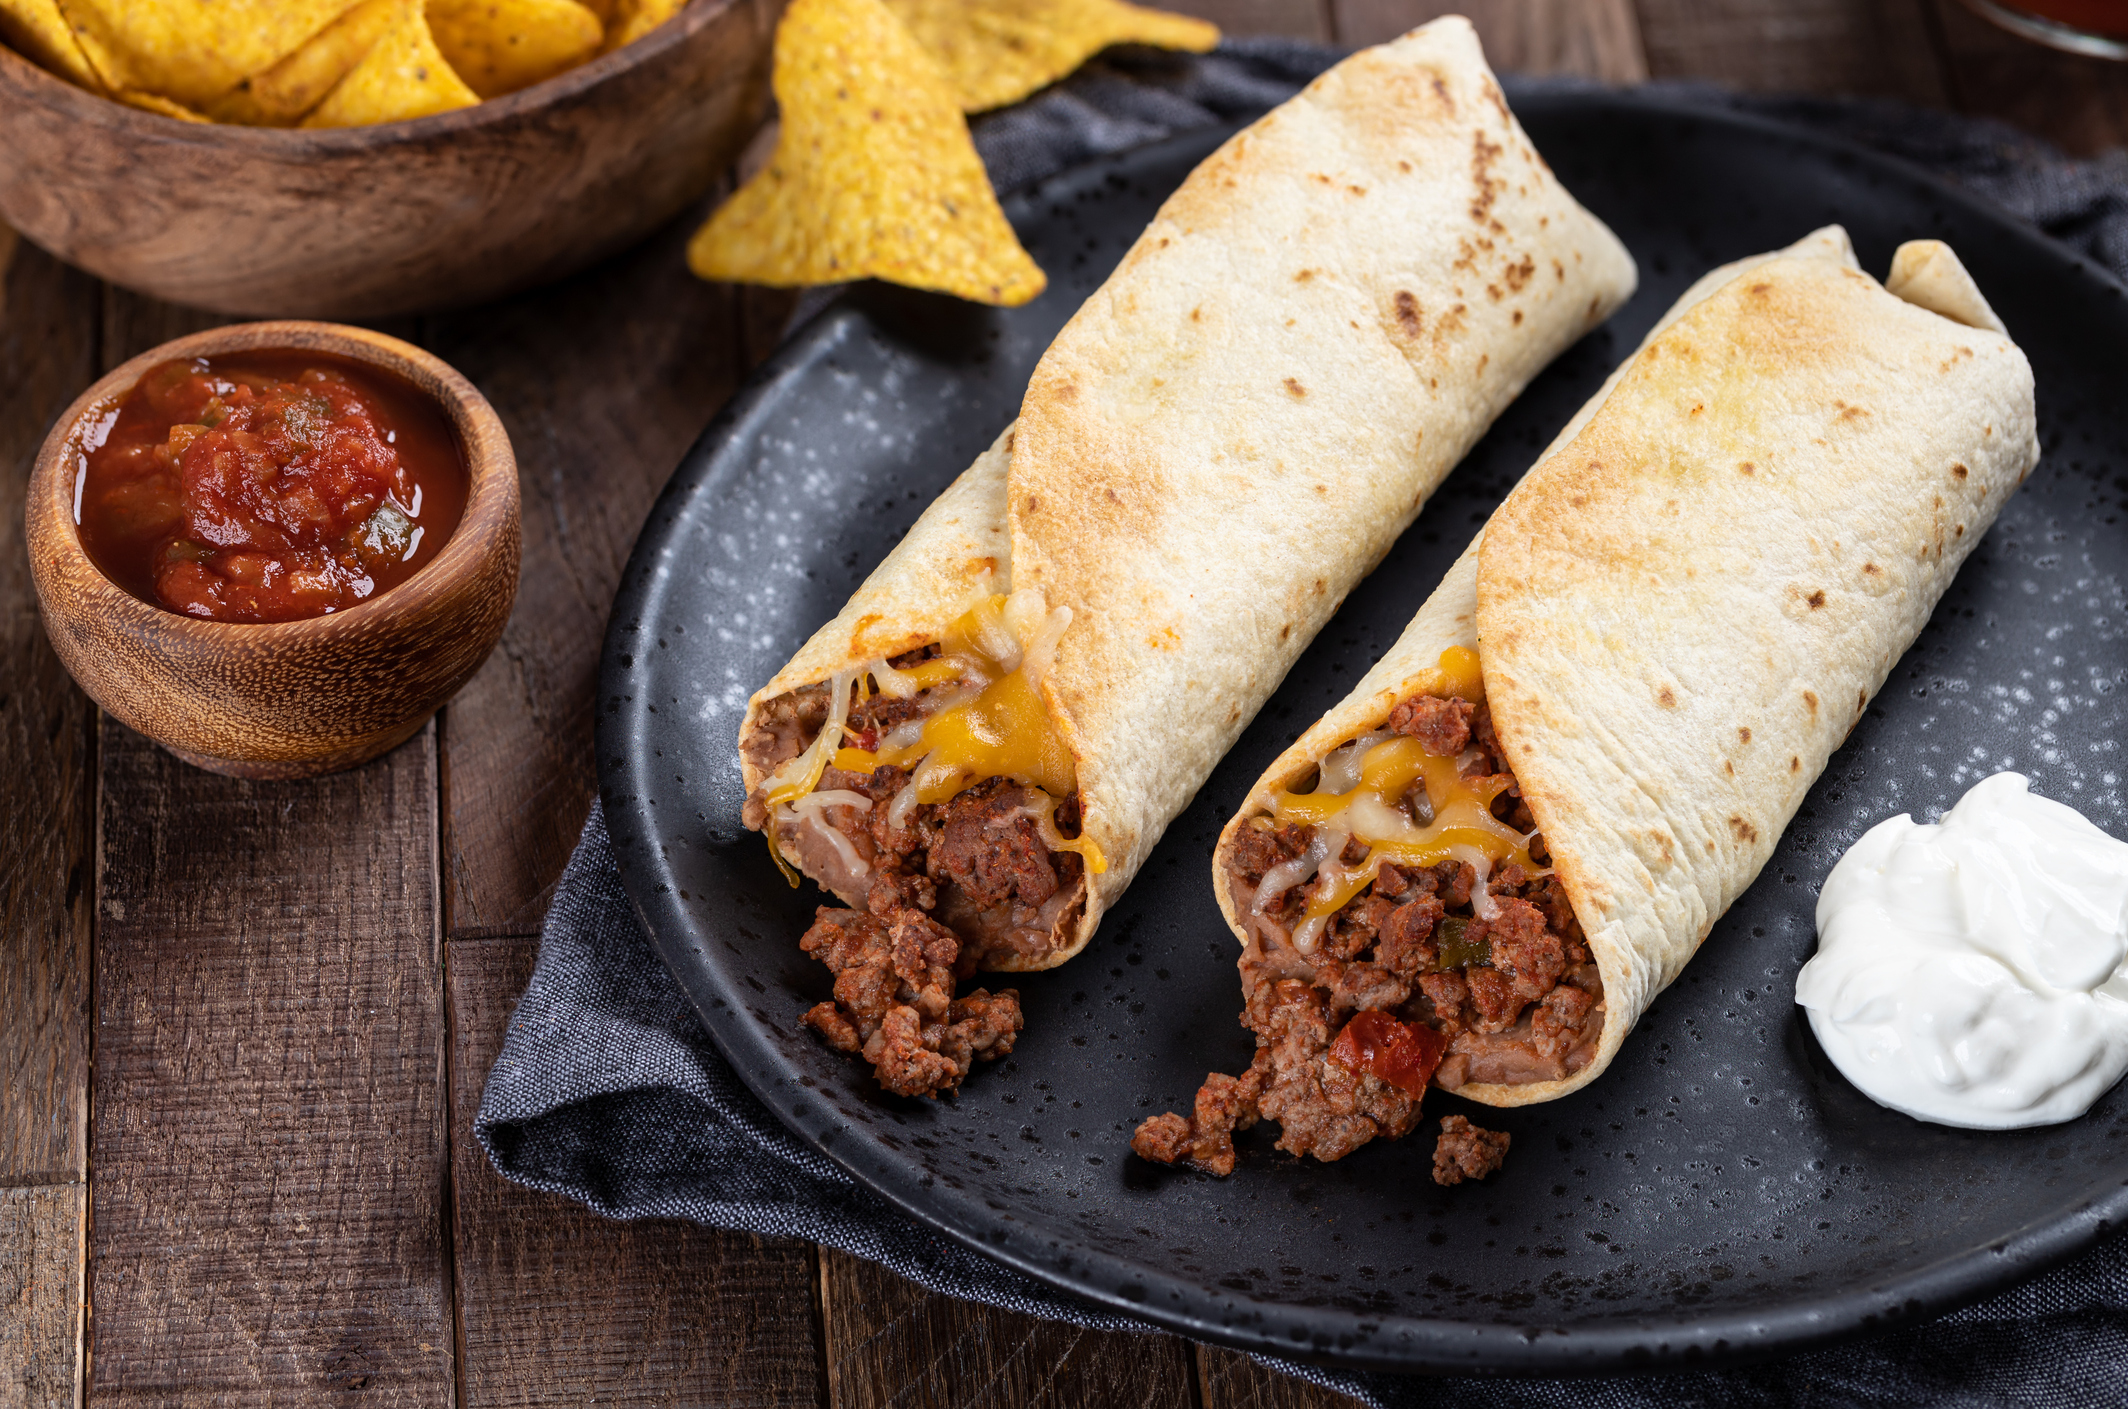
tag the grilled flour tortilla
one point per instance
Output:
(1481, 867)
(984, 746)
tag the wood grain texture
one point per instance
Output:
(40, 1296)
(890, 1342)
(1227, 1379)
(444, 210)
(603, 381)
(1597, 39)
(47, 353)
(2078, 103)
(1873, 48)
(268, 1119)
(132, 323)
(561, 1307)
(1296, 19)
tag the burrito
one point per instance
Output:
(1478, 869)
(979, 752)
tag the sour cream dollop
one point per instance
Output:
(1971, 972)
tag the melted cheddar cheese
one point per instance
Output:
(1462, 828)
(998, 727)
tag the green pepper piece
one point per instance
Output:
(1457, 947)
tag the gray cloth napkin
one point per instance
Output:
(609, 1091)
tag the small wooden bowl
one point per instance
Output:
(285, 699)
(371, 222)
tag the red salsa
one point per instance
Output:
(267, 486)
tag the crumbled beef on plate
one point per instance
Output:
(1465, 1151)
(894, 1001)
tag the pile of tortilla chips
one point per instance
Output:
(317, 63)
(874, 174)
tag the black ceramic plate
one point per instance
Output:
(1721, 1193)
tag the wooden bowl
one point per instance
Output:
(370, 222)
(294, 698)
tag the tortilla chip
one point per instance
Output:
(874, 174)
(996, 52)
(37, 30)
(284, 94)
(405, 76)
(157, 103)
(632, 19)
(500, 46)
(192, 51)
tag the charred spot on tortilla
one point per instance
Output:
(1407, 311)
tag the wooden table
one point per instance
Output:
(244, 1026)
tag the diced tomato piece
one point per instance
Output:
(1402, 1054)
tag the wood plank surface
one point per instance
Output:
(603, 381)
(47, 355)
(47, 800)
(558, 1306)
(40, 1296)
(1874, 48)
(1294, 19)
(889, 1342)
(268, 1122)
(1597, 39)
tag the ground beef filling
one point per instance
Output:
(1515, 998)
(1466, 1152)
(957, 882)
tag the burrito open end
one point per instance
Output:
(1477, 871)
(980, 751)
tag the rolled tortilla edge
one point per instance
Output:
(1448, 618)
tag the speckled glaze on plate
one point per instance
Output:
(1722, 1194)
